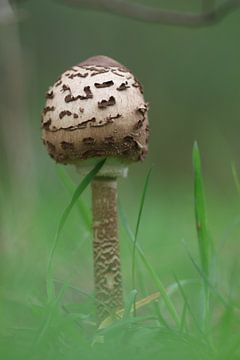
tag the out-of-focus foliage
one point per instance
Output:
(192, 82)
(191, 77)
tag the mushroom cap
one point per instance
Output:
(96, 109)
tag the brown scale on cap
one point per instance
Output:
(67, 145)
(104, 84)
(51, 147)
(49, 95)
(88, 95)
(65, 88)
(98, 72)
(59, 83)
(104, 103)
(46, 124)
(138, 85)
(99, 110)
(47, 109)
(89, 141)
(64, 113)
(109, 140)
(72, 76)
(123, 86)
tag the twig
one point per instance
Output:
(165, 17)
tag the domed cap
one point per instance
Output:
(95, 109)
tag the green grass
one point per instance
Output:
(85, 182)
(49, 310)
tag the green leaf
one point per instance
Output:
(81, 187)
(70, 186)
(187, 305)
(166, 298)
(235, 177)
(129, 304)
(208, 282)
(204, 240)
(137, 228)
(48, 318)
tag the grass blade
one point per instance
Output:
(207, 281)
(183, 318)
(48, 319)
(235, 177)
(129, 304)
(121, 325)
(81, 187)
(137, 228)
(204, 241)
(167, 300)
(188, 307)
(70, 186)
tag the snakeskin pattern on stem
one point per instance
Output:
(108, 282)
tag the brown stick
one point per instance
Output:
(152, 14)
(107, 271)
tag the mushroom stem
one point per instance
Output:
(107, 271)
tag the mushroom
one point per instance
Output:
(96, 110)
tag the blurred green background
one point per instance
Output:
(191, 79)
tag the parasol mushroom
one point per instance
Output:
(96, 110)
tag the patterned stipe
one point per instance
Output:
(108, 282)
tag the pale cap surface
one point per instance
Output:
(94, 109)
